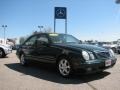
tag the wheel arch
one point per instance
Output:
(3, 51)
(68, 58)
(62, 56)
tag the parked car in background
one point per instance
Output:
(118, 49)
(118, 46)
(4, 50)
(111, 45)
(66, 53)
(15, 47)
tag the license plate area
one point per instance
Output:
(108, 63)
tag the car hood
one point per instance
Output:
(87, 47)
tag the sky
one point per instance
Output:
(86, 19)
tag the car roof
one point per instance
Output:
(47, 33)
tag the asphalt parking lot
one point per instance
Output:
(13, 76)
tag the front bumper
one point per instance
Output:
(94, 66)
(8, 51)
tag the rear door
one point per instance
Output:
(44, 52)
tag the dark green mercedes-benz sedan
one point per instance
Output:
(66, 52)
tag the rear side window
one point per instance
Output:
(31, 41)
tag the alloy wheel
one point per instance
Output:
(64, 67)
(22, 60)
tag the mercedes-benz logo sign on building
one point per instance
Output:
(60, 13)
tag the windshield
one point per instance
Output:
(63, 38)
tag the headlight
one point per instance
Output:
(85, 55)
(91, 55)
(112, 54)
(88, 55)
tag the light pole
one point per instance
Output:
(4, 27)
(40, 27)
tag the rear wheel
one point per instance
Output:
(23, 61)
(64, 67)
(118, 51)
(2, 53)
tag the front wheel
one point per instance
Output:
(64, 67)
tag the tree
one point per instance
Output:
(46, 30)
(118, 1)
(22, 39)
(35, 32)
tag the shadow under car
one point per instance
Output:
(49, 73)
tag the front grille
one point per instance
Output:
(103, 54)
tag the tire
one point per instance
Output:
(23, 61)
(64, 67)
(114, 49)
(118, 51)
(2, 53)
